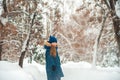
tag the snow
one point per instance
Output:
(72, 71)
(40, 49)
(117, 8)
(87, 74)
(77, 65)
(10, 71)
(3, 20)
(25, 42)
(70, 7)
(1, 7)
(83, 71)
(91, 31)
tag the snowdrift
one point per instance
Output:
(11, 71)
(72, 71)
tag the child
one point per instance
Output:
(53, 65)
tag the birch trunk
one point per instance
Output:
(26, 43)
(96, 46)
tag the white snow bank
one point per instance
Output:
(40, 67)
(33, 71)
(36, 70)
(84, 71)
(10, 71)
(89, 74)
(71, 70)
(77, 65)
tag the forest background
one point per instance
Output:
(87, 30)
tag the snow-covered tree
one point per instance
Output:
(76, 24)
(38, 54)
(110, 59)
(112, 5)
(25, 16)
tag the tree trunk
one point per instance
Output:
(21, 59)
(5, 9)
(0, 51)
(26, 43)
(116, 26)
(4, 6)
(117, 35)
(1, 35)
(1, 25)
(24, 49)
(98, 40)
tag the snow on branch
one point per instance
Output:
(12, 12)
(100, 7)
(10, 41)
(97, 41)
(65, 39)
(117, 8)
(25, 42)
(107, 3)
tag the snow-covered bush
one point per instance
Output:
(110, 59)
(38, 54)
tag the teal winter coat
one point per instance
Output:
(53, 65)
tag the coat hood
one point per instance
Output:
(52, 39)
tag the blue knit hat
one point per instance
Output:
(52, 39)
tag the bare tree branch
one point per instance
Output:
(107, 3)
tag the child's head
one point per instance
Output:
(52, 39)
(53, 42)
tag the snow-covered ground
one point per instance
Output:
(83, 71)
(11, 71)
(72, 71)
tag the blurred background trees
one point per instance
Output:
(25, 24)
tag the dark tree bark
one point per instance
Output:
(21, 59)
(4, 6)
(1, 26)
(116, 26)
(116, 23)
(0, 51)
(27, 44)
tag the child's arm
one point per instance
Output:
(47, 43)
(50, 44)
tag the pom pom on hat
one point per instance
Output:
(52, 39)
